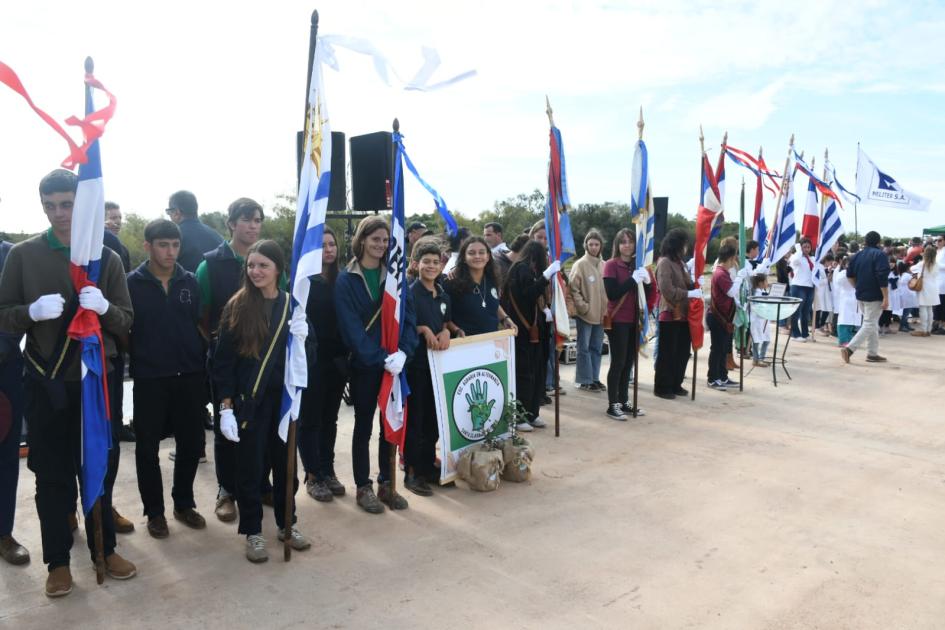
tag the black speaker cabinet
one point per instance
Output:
(660, 212)
(337, 197)
(372, 171)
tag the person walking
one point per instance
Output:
(868, 272)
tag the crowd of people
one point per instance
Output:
(204, 321)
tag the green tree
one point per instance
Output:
(132, 237)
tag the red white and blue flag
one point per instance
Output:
(784, 231)
(558, 227)
(85, 255)
(710, 207)
(314, 187)
(392, 397)
(810, 225)
(641, 213)
(720, 180)
(831, 227)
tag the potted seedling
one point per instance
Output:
(517, 452)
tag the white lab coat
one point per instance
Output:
(928, 296)
(907, 297)
(760, 327)
(844, 294)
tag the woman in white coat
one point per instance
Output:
(928, 295)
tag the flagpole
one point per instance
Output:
(856, 179)
(695, 352)
(741, 263)
(291, 438)
(641, 225)
(554, 319)
(97, 506)
(777, 205)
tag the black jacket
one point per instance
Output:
(165, 340)
(196, 239)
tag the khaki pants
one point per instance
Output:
(869, 332)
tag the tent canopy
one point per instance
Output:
(934, 231)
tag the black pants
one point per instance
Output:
(163, 406)
(224, 459)
(622, 338)
(885, 319)
(11, 388)
(365, 384)
(422, 428)
(531, 366)
(318, 421)
(721, 346)
(673, 357)
(260, 440)
(55, 438)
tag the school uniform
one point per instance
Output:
(168, 368)
(433, 311)
(523, 302)
(11, 389)
(476, 310)
(760, 332)
(802, 286)
(849, 316)
(255, 387)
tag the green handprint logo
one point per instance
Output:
(480, 407)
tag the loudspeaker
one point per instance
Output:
(337, 198)
(372, 171)
(660, 213)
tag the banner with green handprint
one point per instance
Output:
(473, 382)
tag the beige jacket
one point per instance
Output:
(587, 289)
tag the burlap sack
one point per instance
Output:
(480, 468)
(518, 460)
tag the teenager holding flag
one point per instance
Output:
(358, 295)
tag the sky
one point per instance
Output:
(211, 95)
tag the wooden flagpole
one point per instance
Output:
(291, 437)
(785, 178)
(554, 317)
(643, 221)
(697, 282)
(742, 336)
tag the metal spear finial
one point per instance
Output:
(89, 66)
(549, 111)
(640, 125)
(396, 126)
(701, 139)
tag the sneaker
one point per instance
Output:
(226, 509)
(122, 524)
(666, 395)
(729, 382)
(118, 568)
(538, 423)
(59, 582)
(319, 491)
(523, 427)
(191, 518)
(256, 548)
(800, 339)
(368, 501)
(717, 385)
(938, 331)
(418, 486)
(845, 354)
(681, 391)
(614, 412)
(390, 497)
(336, 487)
(919, 333)
(875, 358)
(588, 387)
(627, 408)
(157, 527)
(296, 540)
(600, 386)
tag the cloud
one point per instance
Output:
(737, 109)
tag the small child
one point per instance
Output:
(908, 300)
(849, 318)
(760, 335)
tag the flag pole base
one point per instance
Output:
(289, 490)
(99, 541)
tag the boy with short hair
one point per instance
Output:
(167, 365)
(433, 310)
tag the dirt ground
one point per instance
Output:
(818, 504)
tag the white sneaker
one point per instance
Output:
(296, 540)
(256, 548)
(523, 427)
(538, 423)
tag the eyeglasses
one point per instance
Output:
(170, 211)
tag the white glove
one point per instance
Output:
(695, 294)
(228, 426)
(745, 271)
(394, 363)
(92, 299)
(49, 306)
(548, 316)
(763, 268)
(641, 275)
(552, 269)
(298, 325)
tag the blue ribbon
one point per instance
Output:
(451, 226)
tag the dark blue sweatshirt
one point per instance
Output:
(165, 340)
(870, 268)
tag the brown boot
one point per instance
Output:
(59, 582)
(118, 568)
(122, 524)
(12, 551)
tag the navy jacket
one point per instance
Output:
(196, 239)
(111, 242)
(355, 308)
(165, 340)
(870, 268)
(225, 273)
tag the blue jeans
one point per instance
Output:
(590, 341)
(803, 312)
